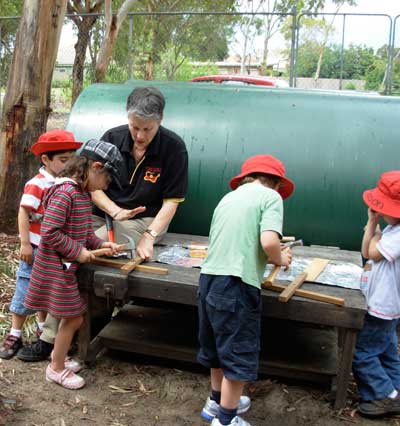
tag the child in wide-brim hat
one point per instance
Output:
(54, 148)
(376, 363)
(245, 233)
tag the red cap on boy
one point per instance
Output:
(55, 140)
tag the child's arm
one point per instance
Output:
(271, 245)
(372, 234)
(25, 253)
(94, 242)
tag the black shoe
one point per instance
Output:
(383, 407)
(37, 351)
(10, 346)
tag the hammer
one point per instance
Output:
(110, 228)
(130, 245)
(131, 265)
(274, 273)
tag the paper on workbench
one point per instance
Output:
(340, 274)
(180, 256)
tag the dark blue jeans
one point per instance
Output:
(229, 326)
(376, 363)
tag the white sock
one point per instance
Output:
(15, 332)
(394, 394)
(40, 325)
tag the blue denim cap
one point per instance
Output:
(106, 153)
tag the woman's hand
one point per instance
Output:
(124, 214)
(145, 248)
(26, 253)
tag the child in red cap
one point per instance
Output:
(245, 232)
(376, 363)
(54, 148)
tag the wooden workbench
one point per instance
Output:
(302, 338)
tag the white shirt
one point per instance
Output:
(381, 283)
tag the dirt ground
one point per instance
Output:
(124, 390)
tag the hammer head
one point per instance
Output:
(294, 243)
(130, 245)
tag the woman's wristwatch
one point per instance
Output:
(153, 233)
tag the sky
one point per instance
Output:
(371, 31)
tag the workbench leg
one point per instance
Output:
(96, 345)
(84, 331)
(346, 344)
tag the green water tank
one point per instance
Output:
(334, 146)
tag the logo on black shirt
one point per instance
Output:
(152, 174)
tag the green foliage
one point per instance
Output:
(8, 31)
(187, 71)
(350, 86)
(357, 61)
(307, 6)
(162, 44)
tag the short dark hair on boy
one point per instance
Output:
(51, 154)
(271, 180)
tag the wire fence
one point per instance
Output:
(309, 51)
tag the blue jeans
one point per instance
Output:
(23, 274)
(376, 363)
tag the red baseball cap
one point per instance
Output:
(385, 198)
(55, 140)
(269, 165)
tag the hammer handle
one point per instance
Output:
(105, 250)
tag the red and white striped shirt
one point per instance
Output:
(32, 199)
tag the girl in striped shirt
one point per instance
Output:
(66, 240)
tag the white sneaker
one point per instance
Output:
(210, 409)
(236, 421)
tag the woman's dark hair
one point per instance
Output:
(271, 180)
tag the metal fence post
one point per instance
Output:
(1, 86)
(292, 47)
(341, 54)
(388, 82)
(130, 50)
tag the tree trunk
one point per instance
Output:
(78, 70)
(149, 68)
(27, 101)
(106, 48)
(113, 25)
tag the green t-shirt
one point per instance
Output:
(237, 223)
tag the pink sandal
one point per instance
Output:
(65, 378)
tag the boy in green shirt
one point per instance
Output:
(245, 232)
